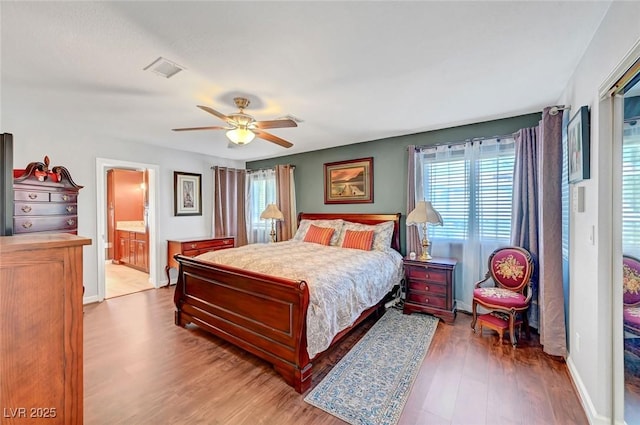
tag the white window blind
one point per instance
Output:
(471, 186)
(631, 190)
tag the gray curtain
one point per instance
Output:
(524, 213)
(537, 222)
(229, 204)
(413, 238)
(286, 201)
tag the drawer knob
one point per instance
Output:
(69, 208)
(426, 288)
(426, 275)
(27, 225)
(71, 222)
(426, 300)
(193, 245)
(33, 195)
(65, 197)
(26, 208)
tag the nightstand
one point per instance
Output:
(194, 246)
(430, 287)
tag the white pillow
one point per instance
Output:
(382, 233)
(334, 224)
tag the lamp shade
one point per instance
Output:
(424, 213)
(240, 135)
(272, 212)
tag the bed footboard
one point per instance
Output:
(264, 315)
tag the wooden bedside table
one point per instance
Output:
(192, 247)
(430, 287)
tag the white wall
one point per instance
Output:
(591, 360)
(78, 152)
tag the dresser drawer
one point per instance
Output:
(426, 273)
(38, 224)
(42, 208)
(427, 287)
(207, 245)
(193, 252)
(64, 197)
(427, 300)
(31, 195)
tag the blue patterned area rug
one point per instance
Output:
(370, 385)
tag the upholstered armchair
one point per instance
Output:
(631, 293)
(510, 270)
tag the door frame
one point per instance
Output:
(102, 165)
(610, 121)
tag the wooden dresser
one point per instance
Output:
(41, 376)
(45, 200)
(194, 246)
(430, 287)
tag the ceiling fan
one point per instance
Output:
(243, 128)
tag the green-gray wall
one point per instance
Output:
(389, 165)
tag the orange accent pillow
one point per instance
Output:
(320, 235)
(358, 239)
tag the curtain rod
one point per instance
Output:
(252, 169)
(268, 168)
(462, 142)
(553, 111)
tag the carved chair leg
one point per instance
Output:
(512, 334)
(475, 315)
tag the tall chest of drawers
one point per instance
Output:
(45, 200)
(430, 287)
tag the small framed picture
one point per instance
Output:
(187, 193)
(578, 146)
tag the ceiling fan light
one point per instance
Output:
(240, 136)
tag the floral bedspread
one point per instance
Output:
(342, 282)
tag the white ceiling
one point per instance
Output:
(352, 71)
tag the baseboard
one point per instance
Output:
(89, 300)
(463, 306)
(592, 415)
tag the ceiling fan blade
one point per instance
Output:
(215, 127)
(271, 138)
(285, 122)
(214, 112)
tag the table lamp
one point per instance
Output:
(272, 212)
(422, 214)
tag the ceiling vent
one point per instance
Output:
(163, 67)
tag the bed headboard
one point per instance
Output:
(360, 218)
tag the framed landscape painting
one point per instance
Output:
(348, 182)
(187, 193)
(578, 146)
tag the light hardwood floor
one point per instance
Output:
(142, 369)
(122, 280)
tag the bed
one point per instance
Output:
(266, 313)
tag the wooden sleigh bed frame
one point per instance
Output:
(264, 315)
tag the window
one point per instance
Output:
(261, 190)
(471, 186)
(631, 189)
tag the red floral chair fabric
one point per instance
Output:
(631, 293)
(510, 268)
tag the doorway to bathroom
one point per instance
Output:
(126, 198)
(127, 249)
